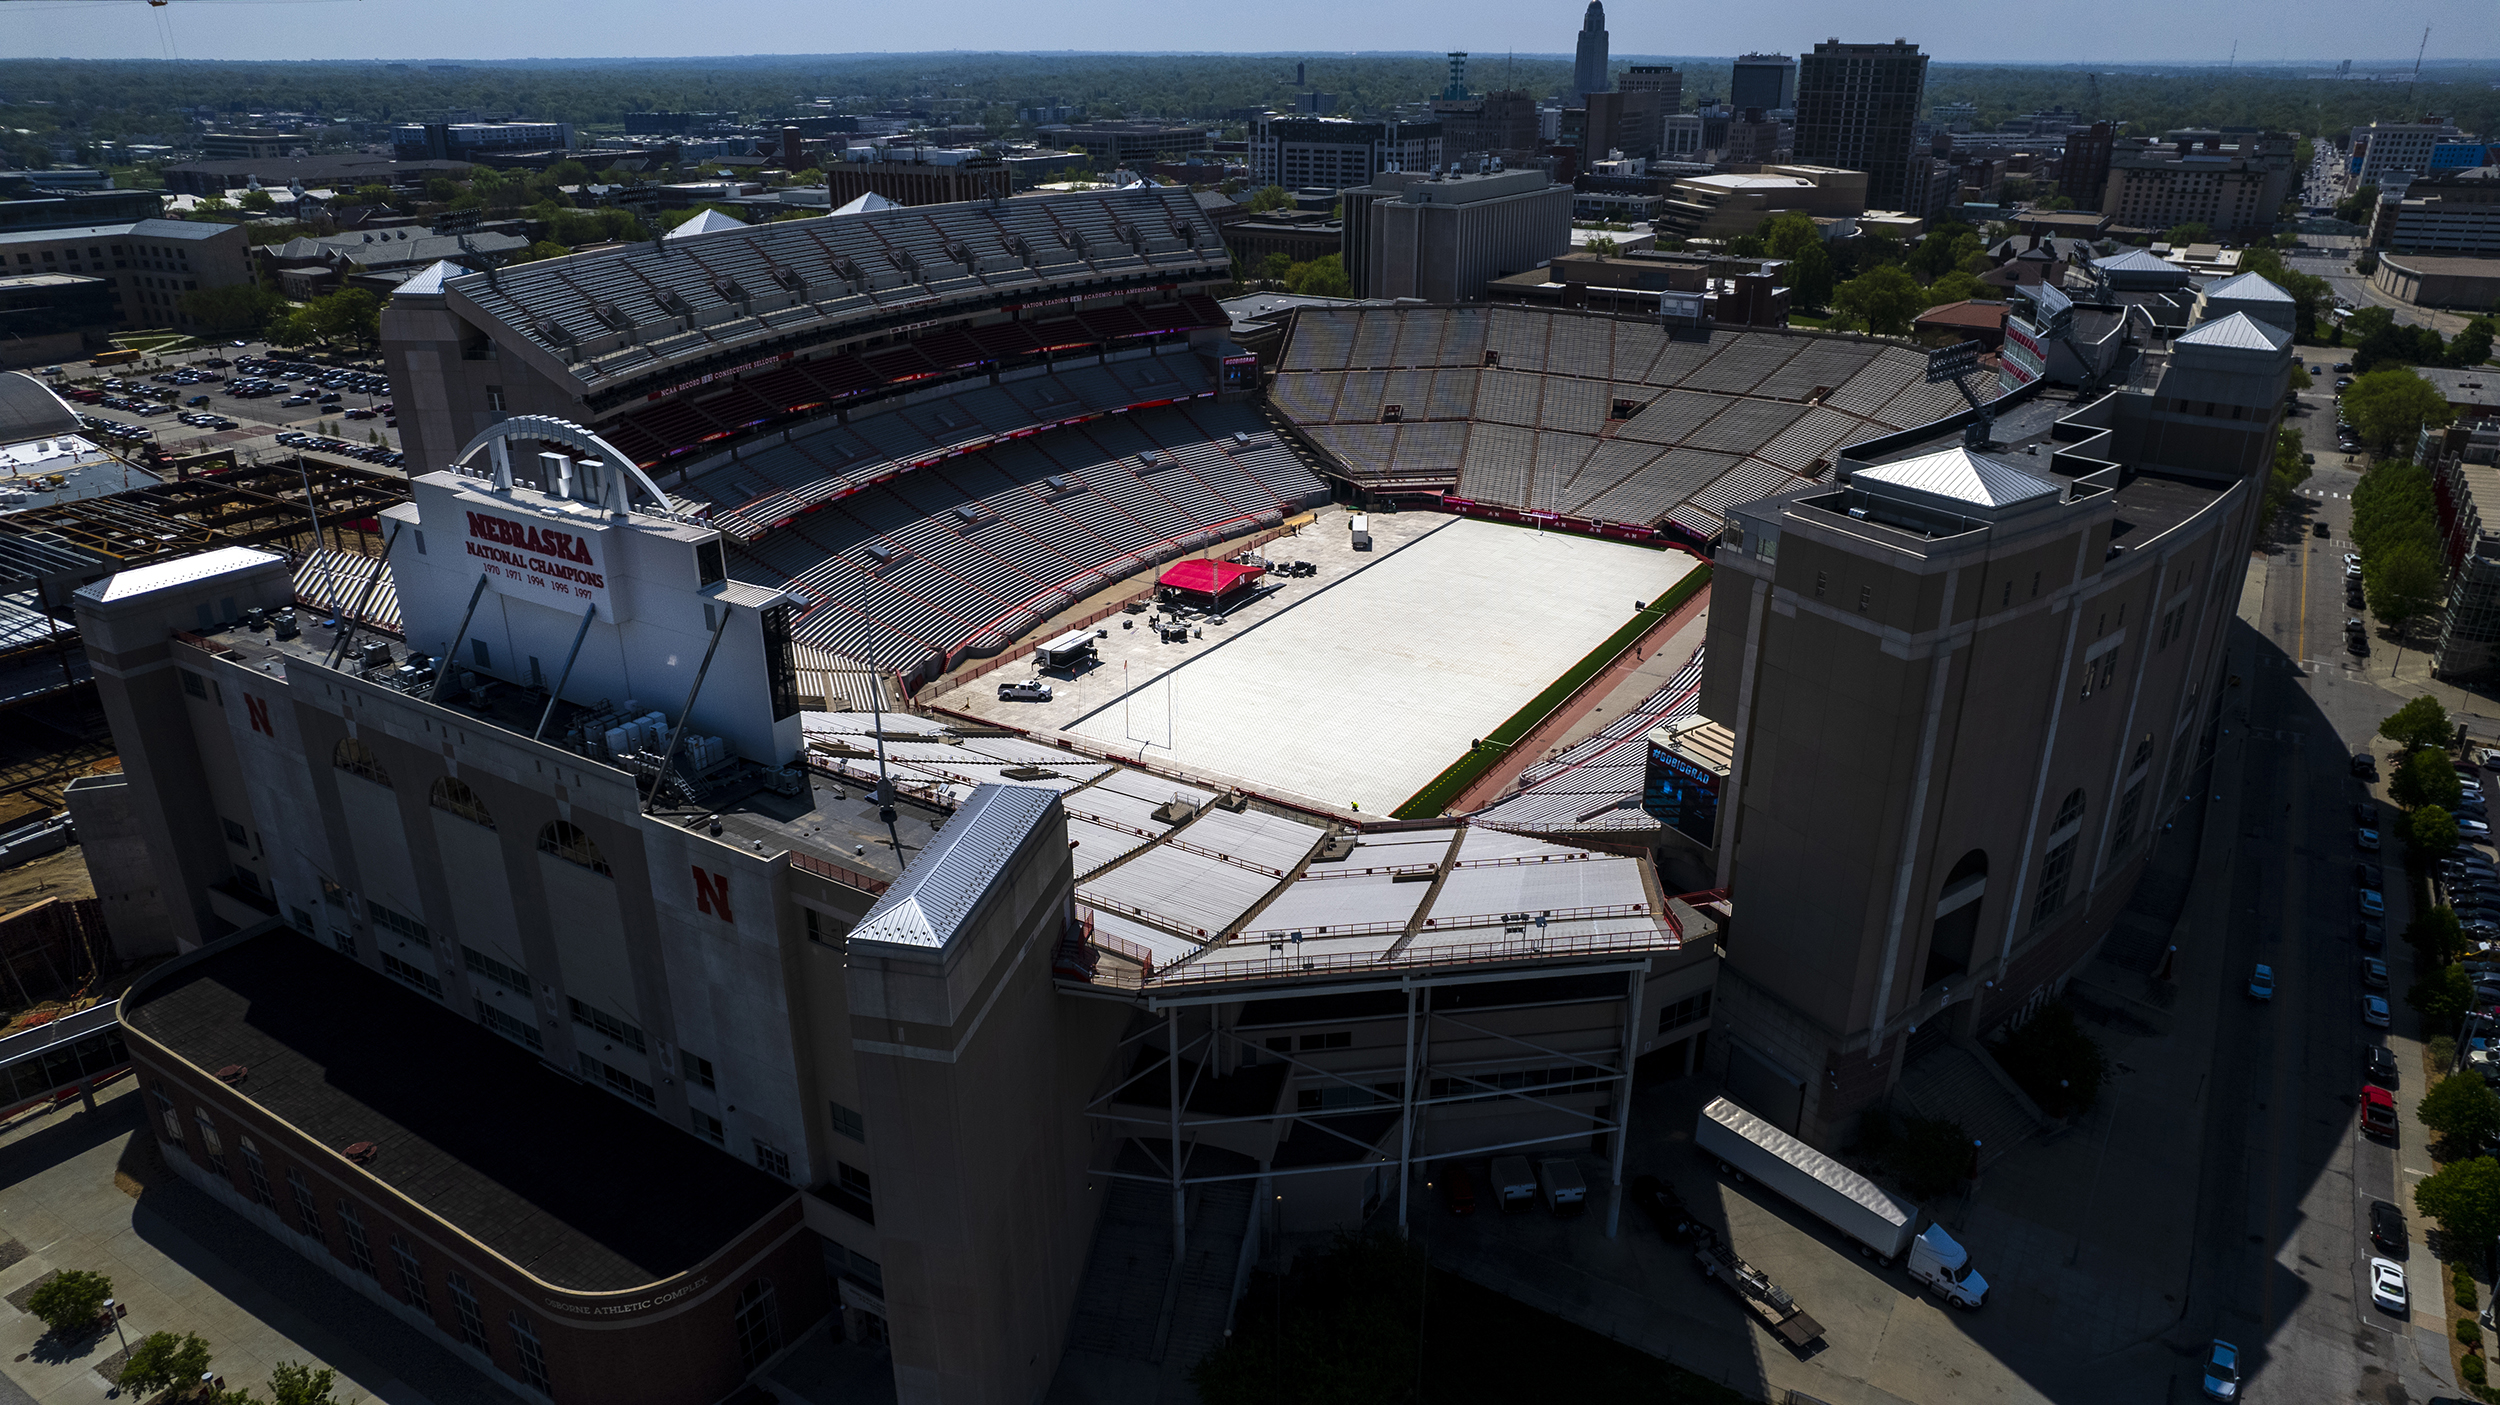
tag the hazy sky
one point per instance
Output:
(2267, 31)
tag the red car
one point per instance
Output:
(2378, 1112)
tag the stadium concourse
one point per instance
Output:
(1619, 425)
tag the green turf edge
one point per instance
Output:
(1462, 773)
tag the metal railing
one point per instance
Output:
(846, 876)
(1368, 962)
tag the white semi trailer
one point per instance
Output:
(1885, 1224)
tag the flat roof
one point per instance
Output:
(142, 229)
(489, 1138)
(825, 824)
(2444, 267)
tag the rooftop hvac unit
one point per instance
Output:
(972, 516)
(1058, 482)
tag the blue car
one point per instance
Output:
(2222, 1371)
(2261, 983)
(2372, 905)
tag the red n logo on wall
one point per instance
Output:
(259, 708)
(711, 893)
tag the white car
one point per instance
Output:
(1029, 690)
(2387, 1285)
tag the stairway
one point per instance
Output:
(1219, 1218)
(1950, 1081)
(1119, 1307)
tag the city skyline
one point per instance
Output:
(392, 30)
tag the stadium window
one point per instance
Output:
(307, 1209)
(472, 1323)
(359, 1248)
(849, 1123)
(698, 1070)
(494, 399)
(709, 565)
(772, 1159)
(453, 796)
(1821, 580)
(234, 833)
(357, 759)
(1866, 598)
(606, 1024)
(192, 684)
(567, 841)
(1342, 1039)
(1683, 1012)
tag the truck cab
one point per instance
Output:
(1944, 1265)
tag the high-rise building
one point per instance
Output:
(1659, 79)
(2029, 649)
(1501, 121)
(1856, 104)
(2388, 152)
(1766, 81)
(1442, 239)
(2083, 171)
(1335, 152)
(1588, 66)
(2233, 180)
(1456, 89)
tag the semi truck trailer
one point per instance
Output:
(1884, 1224)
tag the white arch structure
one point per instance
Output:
(614, 484)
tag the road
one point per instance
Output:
(2283, 1248)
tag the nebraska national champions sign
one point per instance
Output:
(538, 561)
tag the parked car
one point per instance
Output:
(2368, 875)
(2320, 528)
(2222, 1371)
(2387, 1285)
(2387, 1230)
(1025, 690)
(2373, 973)
(2378, 1113)
(2378, 1064)
(2365, 814)
(2366, 839)
(2365, 764)
(2261, 983)
(2374, 1011)
(2369, 934)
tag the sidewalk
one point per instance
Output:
(86, 1190)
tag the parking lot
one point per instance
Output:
(239, 396)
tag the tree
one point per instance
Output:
(301, 1383)
(1603, 246)
(2393, 504)
(257, 199)
(2424, 778)
(1274, 197)
(2301, 379)
(2189, 233)
(162, 1359)
(2464, 1196)
(1322, 277)
(2471, 346)
(2418, 725)
(2436, 936)
(2390, 406)
(1883, 300)
(1944, 250)
(1275, 266)
(372, 193)
(1810, 277)
(350, 314)
(2431, 830)
(541, 249)
(2054, 1061)
(2404, 583)
(1788, 235)
(1958, 286)
(2356, 207)
(2289, 471)
(2462, 1108)
(2442, 997)
(71, 1300)
(237, 307)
